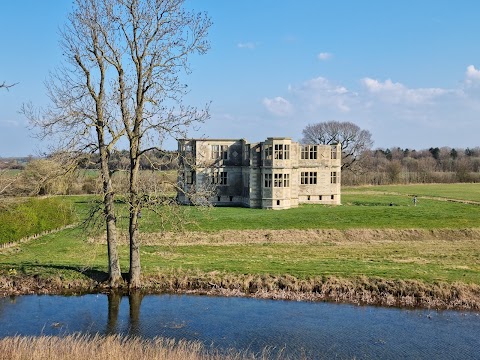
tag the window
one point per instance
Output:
(277, 180)
(220, 152)
(304, 178)
(282, 152)
(219, 178)
(281, 180)
(309, 152)
(333, 177)
(334, 151)
(333, 197)
(278, 151)
(268, 180)
(320, 197)
(308, 177)
(190, 177)
(223, 178)
(278, 202)
(268, 152)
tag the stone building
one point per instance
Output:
(274, 174)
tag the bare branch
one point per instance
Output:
(4, 85)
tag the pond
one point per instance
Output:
(317, 330)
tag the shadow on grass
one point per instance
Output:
(45, 270)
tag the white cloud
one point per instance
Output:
(397, 93)
(472, 74)
(247, 45)
(324, 56)
(395, 113)
(278, 106)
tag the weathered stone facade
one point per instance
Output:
(274, 174)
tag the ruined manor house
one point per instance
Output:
(274, 174)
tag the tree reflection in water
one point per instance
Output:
(135, 301)
(114, 299)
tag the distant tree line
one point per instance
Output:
(47, 176)
(119, 160)
(405, 166)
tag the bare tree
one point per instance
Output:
(81, 117)
(353, 140)
(149, 46)
(122, 78)
(130, 55)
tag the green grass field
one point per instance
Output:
(449, 191)
(69, 252)
(359, 211)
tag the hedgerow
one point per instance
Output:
(32, 216)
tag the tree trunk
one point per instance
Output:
(114, 272)
(135, 267)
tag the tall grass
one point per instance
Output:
(81, 347)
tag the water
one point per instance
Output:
(318, 330)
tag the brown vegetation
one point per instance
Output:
(312, 236)
(360, 290)
(81, 347)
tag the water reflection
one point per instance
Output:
(114, 299)
(135, 301)
(318, 330)
(134, 304)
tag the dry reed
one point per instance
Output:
(358, 290)
(84, 347)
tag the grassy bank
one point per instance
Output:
(112, 347)
(374, 237)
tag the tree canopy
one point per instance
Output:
(353, 140)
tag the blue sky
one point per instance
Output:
(408, 71)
